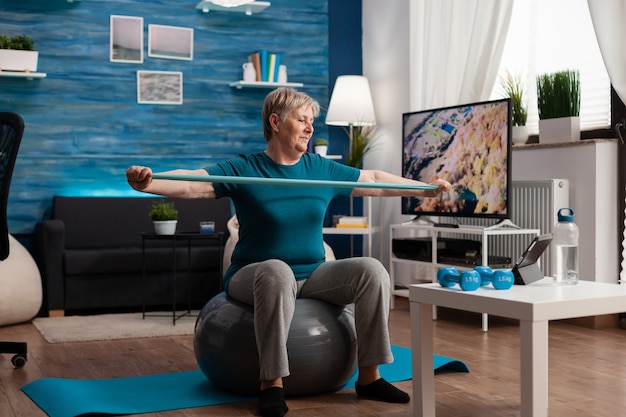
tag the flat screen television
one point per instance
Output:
(468, 145)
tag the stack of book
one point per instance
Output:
(352, 222)
(266, 65)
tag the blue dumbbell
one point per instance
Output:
(468, 280)
(501, 279)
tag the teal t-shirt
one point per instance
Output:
(280, 222)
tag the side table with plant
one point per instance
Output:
(558, 102)
(164, 215)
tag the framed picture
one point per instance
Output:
(159, 87)
(126, 39)
(171, 42)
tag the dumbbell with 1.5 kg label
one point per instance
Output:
(500, 279)
(467, 280)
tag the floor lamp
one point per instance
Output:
(351, 105)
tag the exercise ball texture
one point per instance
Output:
(321, 345)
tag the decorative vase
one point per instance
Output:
(165, 227)
(321, 150)
(559, 130)
(282, 74)
(17, 60)
(519, 135)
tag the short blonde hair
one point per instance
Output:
(283, 101)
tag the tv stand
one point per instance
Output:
(430, 221)
(506, 224)
(434, 233)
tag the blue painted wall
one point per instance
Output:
(83, 124)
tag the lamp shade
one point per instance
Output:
(351, 102)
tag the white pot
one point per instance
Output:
(559, 130)
(321, 150)
(165, 227)
(519, 135)
(13, 60)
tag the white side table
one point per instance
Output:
(533, 305)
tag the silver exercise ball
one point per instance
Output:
(322, 346)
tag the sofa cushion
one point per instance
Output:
(129, 260)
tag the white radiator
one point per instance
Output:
(535, 204)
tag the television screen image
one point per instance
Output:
(467, 145)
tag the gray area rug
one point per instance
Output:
(112, 326)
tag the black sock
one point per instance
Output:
(383, 391)
(272, 402)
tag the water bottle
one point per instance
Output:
(565, 245)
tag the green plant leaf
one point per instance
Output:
(163, 210)
(558, 94)
(362, 141)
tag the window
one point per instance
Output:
(553, 35)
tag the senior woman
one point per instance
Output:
(280, 255)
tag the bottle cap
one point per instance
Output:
(564, 217)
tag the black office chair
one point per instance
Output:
(11, 131)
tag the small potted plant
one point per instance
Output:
(18, 53)
(320, 146)
(164, 215)
(558, 102)
(513, 87)
(362, 139)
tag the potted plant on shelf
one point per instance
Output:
(362, 140)
(513, 87)
(18, 53)
(558, 102)
(320, 146)
(164, 215)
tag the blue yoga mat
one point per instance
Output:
(60, 397)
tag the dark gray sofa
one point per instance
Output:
(90, 255)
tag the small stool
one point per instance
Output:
(321, 345)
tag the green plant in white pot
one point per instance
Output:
(320, 146)
(558, 102)
(18, 53)
(513, 88)
(362, 140)
(164, 215)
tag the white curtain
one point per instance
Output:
(456, 47)
(609, 23)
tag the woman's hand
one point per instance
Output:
(139, 177)
(442, 186)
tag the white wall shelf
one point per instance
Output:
(27, 75)
(262, 84)
(367, 232)
(248, 8)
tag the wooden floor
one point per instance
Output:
(587, 370)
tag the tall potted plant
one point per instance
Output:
(362, 140)
(558, 102)
(18, 53)
(513, 88)
(164, 215)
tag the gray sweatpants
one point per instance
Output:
(270, 287)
